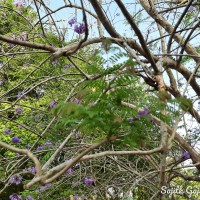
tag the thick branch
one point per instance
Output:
(26, 152)
(169, 28)
(103, 19)
(184, 144)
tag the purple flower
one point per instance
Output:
(191, 8)
(78, 101)
(29, 198)
(21, 95)
(80, 29)
(31, 169)
(88, 181)
(66, 67)
(15, 140)
(7, 131)
(47, 143)
(52, 104)
(20, 126)
(11, 45)
(15, 197)
(185, 155)
(142, 113)
(72, 21)
(19, 3)
(42, 189)
(69, 171)
(48, 185)
(15, 179)
(39, 148)
(18, 110)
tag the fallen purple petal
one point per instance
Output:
(88, 181)
(78, 101)
(15, 139)
(185, 155)
(21, 95)
(15, 179)
(7, 131)
(29, 198)
(69, 171)
(18, 110)
(143, 112)
(52, 104)
(15, 197)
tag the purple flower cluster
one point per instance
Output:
(88, 181)
(31, 170)
(77, 28)
(15, 197)
(80, 29)
(185, 155)
(78, 101)
(15, 140)
(43, 188)
(143, 112)
(21, 95)
(66, 67)
(7, 131)
(18, 110)
(52, 104)
(19, 3)
(72, 21)
(15, 179)
(69, 171)
(48, 143)
(191, 8)
(39, 148)
(11, 45)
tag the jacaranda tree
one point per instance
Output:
(99, 99)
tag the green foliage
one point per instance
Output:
(185, 104)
